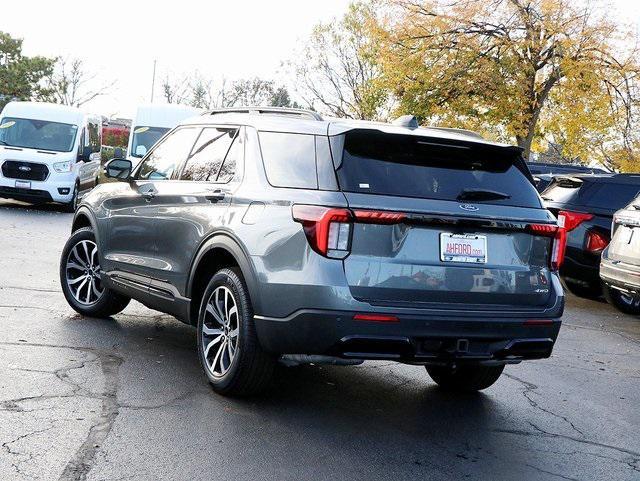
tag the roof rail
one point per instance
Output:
(304, 113)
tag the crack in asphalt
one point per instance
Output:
(608, 331)
(17, 465)
(529, 388)
(557, 475)
(83, 459)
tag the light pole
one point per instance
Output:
(153, 80)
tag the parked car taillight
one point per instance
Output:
(570, 220)
(329, 229)
(596, 241)
(559, 237)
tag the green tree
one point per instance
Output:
(529, 71)
(21, 77)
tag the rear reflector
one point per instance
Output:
(596, 241)
(538, 322)
(375, 318)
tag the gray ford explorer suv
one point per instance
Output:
(285, 236)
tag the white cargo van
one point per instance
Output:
(151, 122)
(48, 152)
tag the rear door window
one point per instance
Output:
(409, 166)
(289, 159)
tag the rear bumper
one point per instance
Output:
(581, 267)
(412, 338)
(620, 275)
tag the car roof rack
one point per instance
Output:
(303, 113)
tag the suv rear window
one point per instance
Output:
(429, 168)
(591, 193)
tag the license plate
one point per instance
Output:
(468, 248)
(23, 184)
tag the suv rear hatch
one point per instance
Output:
(443, 223)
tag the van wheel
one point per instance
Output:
(228, 347)
(73, 203)
(464, 378)
(627, 303)
(80, 278)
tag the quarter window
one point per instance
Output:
(289, 159)
(163, 159)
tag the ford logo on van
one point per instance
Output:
(24, 168)
(469, 207)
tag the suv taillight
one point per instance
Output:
(559, 237)
(570, 220)
(596, 241)
(329, 229)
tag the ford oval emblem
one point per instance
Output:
(24, 168)
(469, 207)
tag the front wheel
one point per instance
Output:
(463, 378)
(81, 278)
(73, 203)
(228, 347)
(624, 302)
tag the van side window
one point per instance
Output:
(163, 159)
(208, 154)
(289, 159)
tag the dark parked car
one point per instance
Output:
(585, 204)
(544, 172)
(281, 235)
(620, 265)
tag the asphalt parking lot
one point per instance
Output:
(124, 398)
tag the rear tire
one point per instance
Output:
(463, 378)
(586, 291)
(230, 355)
(622, 301)
(80, 278)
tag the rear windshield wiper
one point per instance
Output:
(4, 142)
(481, 194)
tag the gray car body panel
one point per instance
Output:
(150, 248)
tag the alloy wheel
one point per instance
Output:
(83, 273)
(220, 331)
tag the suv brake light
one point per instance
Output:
(596, 241)
(559, 236)
(570, 220)
(328, 229)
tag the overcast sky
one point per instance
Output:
(120, 39)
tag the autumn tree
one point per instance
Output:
(528, 71)
(337, 70)
(21, 77)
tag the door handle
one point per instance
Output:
(216, 195)
(149, 194)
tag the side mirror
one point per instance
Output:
(119, 169)
(85, 154)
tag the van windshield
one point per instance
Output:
(37, 134)
(144, 138)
